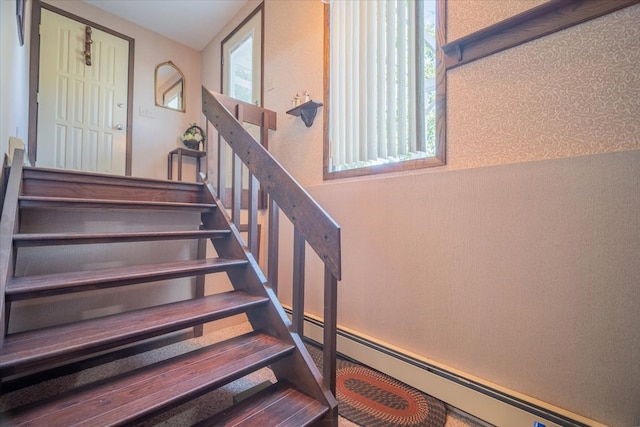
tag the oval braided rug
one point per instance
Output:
(373, 399)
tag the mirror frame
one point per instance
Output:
(182, 80)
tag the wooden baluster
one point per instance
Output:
(298, 282)
(254, 193)
(253, 215)
(198, 330)
(264, 141)
(222, 170)
(329, 365)
(236, 186)
(236, 190)
(273, 236)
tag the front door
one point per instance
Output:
(82, 108)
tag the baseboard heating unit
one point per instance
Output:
(489, 402)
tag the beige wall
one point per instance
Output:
(515, 262)
(14, 77)
(153, 137)
(569, 94)
(467, 16)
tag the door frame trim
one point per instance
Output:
(233, 32)
(34, 75)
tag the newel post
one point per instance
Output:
(330, 327)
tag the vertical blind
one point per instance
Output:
(376, 85)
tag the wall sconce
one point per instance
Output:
(307, 111)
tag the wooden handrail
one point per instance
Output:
(8, 226)
(542, 20)
(311, 223)
(252, 113)
(3, 179)
(314, 224)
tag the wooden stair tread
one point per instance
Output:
(69, 202)
(79, 176)
(50, 239)
(279, 404)
(52, 284)
(149, 390)
(37, 348)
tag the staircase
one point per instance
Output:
(301, 396)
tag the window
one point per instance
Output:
(242, 60)
(386, 94)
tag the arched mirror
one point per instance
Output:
(170, 86)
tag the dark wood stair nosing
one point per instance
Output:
(97, 178)
(25, 287)
(149, 390)
(258, 408)
(36, 202)
(33, 349)
(24, 240)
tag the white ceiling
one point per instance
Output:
(191, 22)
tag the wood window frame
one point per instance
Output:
(440, 147)
(259, 9)
(262, 194)
(540, 21)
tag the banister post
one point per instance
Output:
(329, 364)
(273, 236)
(8, 226)
(298, 282)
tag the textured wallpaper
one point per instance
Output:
(467, 16)
(573, 93)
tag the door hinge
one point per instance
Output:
(38, 98)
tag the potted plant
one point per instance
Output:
(193, 137)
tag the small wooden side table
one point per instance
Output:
(183, 152)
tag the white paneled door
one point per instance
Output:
(82, 109)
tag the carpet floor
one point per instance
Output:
(192, 411)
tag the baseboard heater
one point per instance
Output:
(499, 407)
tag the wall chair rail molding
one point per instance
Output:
(537, 22)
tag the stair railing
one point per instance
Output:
(4, 175)
(9, 226)
(311, 223)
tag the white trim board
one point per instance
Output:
(489, 402)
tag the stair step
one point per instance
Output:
(51, 239)
(79, 184)
(19, 288)
(149, 390)
(279, 404)
(40, 202)
(39, 348)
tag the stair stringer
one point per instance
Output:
(300, 370)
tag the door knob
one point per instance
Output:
(119, 126)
